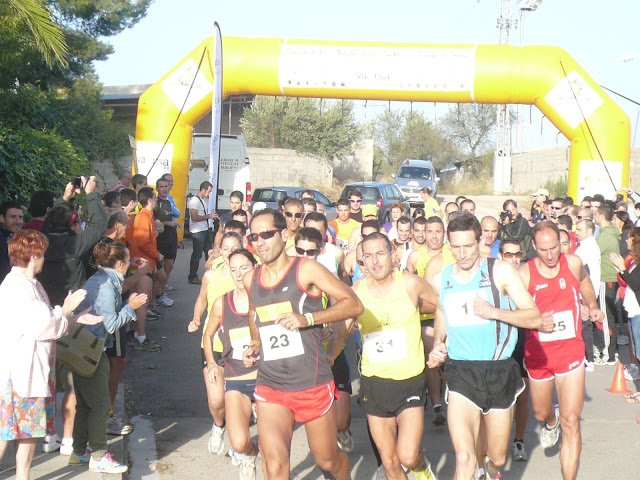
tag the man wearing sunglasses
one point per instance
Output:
(294, 383)
(355, 201)
(293, 213)
(330, 256)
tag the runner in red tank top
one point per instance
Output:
(557, 357)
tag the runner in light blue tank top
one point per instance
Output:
(471, 337)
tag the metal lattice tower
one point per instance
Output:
(502, 157)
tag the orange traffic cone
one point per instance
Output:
(619, 384)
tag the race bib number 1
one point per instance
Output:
(459, 309)
(278, 342)
(564, 327)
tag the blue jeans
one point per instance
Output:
(201, 245)
(634, 329)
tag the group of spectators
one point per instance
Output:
(102, 261)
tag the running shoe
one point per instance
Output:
(147, 346)
(589, 366)
(66, 449)
(106, 464)
(622, 339)
(631, 373)
(115, 426)
(152, 316)
(168, 288)
(216, 439)
(236, 458)
(518, 453)
(487, 475)
(424, 472)
(248, 466)
(601, 361)
(164, 301)
(549, 435)
(194, 281)
(439, 420)
(153, 311)
(345, 441)
(51, 443)
(80, 459)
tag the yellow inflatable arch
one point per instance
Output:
(598, 129)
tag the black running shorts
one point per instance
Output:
(488, 385)
(383, 397)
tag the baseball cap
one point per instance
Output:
(540, 191)
(369, 210)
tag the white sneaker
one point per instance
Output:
(549, 435)
(589, 366)
(248, 467)
(216, 439)
(345, 441)
(168, 288)
(51, 443)
(164, 301)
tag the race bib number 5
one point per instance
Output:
(458, 307)
(385, 346)
(278, 342)
(564, 327)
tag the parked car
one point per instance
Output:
(380, 194)
(413, 176)
(271, 196)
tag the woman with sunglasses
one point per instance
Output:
(215, 284)
(229, 318)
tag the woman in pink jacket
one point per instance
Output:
(29, 327)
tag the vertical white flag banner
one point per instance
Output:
(216, 120)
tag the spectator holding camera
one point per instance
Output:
(64, 270)
(515, 227)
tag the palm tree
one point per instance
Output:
(47, 35)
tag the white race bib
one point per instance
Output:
(240, 340)
(459, 309)
(385, 346)
(343, 244)
(564, 327)
(278, 342)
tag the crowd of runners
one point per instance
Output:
(486, 316)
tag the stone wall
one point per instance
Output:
(356, 167)
(282, 167)
(531, 170)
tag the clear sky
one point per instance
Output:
(594, 32)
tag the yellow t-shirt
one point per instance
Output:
(390, 330)
(431, 207)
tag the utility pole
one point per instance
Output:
(502, 157)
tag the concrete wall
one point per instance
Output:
(531, 170)
(356, 167)
(279, 166)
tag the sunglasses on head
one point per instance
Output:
(312, 252)
(291, 214)
(511, 254)
(266, 235)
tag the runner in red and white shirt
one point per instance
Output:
(556, 282)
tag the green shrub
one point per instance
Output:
(33, 160)
(558, 188)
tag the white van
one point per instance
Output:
(234, 167)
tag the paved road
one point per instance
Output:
(167, 388)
